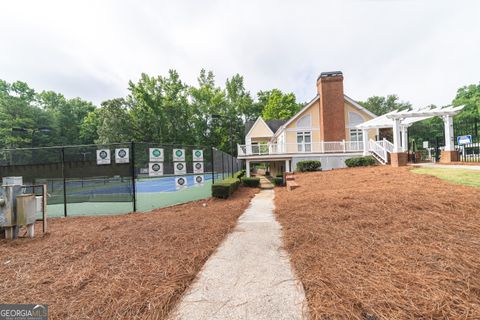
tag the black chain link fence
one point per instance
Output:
(128, 180)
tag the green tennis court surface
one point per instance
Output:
(145, 201)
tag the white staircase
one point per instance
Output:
(380, 150)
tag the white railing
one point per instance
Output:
(386, 144)
(306, 147)
(378, 148)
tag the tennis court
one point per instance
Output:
(80, 182)
(115, 195)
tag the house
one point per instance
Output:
(324, 129)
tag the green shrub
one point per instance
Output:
(240, 174)
(251, 182)
(308, 165)
(360, 161)
(225, 188)
(278, 181)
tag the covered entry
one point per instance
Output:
(272, 166)
(399, 121)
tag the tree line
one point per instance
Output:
(166, 110)
(160, 109)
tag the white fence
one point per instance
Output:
(307, 147)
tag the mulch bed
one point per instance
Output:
(132, 266)
(383, 243)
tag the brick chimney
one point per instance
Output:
(332, 106)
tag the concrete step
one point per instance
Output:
(291, 185)
(290, 177)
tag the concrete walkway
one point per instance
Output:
(265, 183)
(446, 166)
(249, 277)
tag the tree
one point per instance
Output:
(277, 105)
(382, 105)
(207, 100)
(89, 127)
(17, 111)
(67, 116)
(470, 97)
(113, 122)
(160, 109)
(239, 98)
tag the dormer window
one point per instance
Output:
(304, 122)
(354, 119)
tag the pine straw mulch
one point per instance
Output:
(383, 243)
(117, 267)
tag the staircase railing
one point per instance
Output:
(387, 145)
(379, 150)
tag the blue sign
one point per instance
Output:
(464, 139)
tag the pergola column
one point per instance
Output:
(397, 147)
(247, 168)
(365, 142)
(449, 154)
(287, 165)
(448, 123)
(404, 139)
(398, 158)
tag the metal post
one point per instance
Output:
(231, 144)
(132, 168)
(213, 164)
(64, 184)
(223, 167)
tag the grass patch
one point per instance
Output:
(458, 176)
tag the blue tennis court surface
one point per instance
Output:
(114, 195)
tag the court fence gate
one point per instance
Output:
(119, 177)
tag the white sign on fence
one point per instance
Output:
(197, 155)
(103, 156)
(156, 154)
(180, 168)
(198, 167)
(425, 144)
(178, 154)
(198, 179)
(122, 155)
(464, 139)
(155, 169)
(180, 182)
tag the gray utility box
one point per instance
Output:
(8, 205)
(26, 204)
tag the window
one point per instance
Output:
(354, 119)
(356, 135)
(304, 122)
(304, 141)
(259, 148)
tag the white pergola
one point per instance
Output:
(400, 120)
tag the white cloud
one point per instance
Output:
(421, 50)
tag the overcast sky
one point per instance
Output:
(421, 50)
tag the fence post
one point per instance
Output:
(132, 168)
(213, 164)
(64, 184)
(223, 167)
